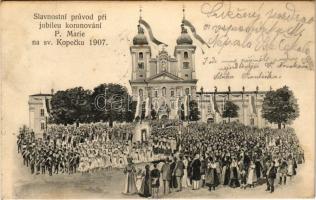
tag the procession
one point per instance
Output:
(175, 157)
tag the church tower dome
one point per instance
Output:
(140, 38)
(184, 38)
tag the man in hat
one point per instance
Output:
(271, 175)
(166, 175)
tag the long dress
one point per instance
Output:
(145, 189)
(185, 174)
(251, 177)
(139, 180)
(290, 168)
(211, 176)
(130, 185)
(234, 182)
(226, 174)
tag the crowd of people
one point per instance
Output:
(210, 155)
(72, 148)
(193, 155)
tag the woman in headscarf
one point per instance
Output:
(145, 189)
(234, 174)
(129, 171)
(226, 171)
(211, 177)
(251, 176)
(185, 173)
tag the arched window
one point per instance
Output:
(185, 55)
(140, 56)
(140, 92)
(172, 93)
(187, 91)
(163, 91)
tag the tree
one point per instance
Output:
(71, 105)
(230, 110)
(280, 106)
(130, 111)
(109, 102)
(193, 111)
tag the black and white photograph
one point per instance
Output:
(172, 100)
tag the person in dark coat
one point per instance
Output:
(155, 184)
(166, 175)
(189, 171)
(258, 168)
(145, 190)
(196, 174)
(271, 175)
(226, 171)
(173, 182)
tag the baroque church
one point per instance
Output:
(165, 80)
(166, 83)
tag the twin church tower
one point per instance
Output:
(164, 80)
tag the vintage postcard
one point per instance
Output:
(172, 100)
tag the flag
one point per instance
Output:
(137, 107)
(186, 105)
(150, 33)
(251, 105)
(223, 105)
(177, 105)
(147, 107)
(215, 105)
(196, 36)
(212, 105)
(45, 106)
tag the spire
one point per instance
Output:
(140, 12)
(183, 11)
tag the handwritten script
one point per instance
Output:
(278, 37)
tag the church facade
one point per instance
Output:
(164, 79)
(212, 105)
(165, 83)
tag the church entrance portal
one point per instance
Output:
(143, 135)
(210, 120)
(164, 117)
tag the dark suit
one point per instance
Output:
(173, 182)
(271, 175)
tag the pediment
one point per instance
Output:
(165, 76)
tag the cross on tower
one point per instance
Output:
(140, 12)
